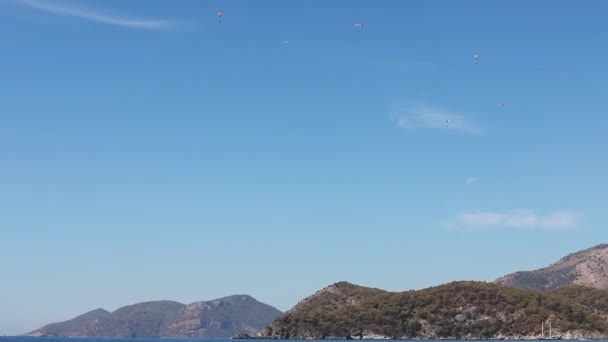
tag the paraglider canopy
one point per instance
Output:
(475, 57)
(359, 25)
(220, 15)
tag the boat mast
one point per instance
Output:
(542, 329)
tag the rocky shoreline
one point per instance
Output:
(571, 336)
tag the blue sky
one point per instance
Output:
(150, 152)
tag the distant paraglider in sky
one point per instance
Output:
(360, 26)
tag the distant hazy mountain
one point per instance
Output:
(588, 268)
(73, 326)
(458, 310)
(220, 318)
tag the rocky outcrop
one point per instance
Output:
(585, 268)
(221, 318)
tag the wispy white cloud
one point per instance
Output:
(516, 219)
(422, 116)
(64, 10)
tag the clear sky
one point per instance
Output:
(148, 151)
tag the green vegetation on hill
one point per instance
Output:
(589, 297)
(455, 310)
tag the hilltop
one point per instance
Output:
(456, 310)
(71, 327)
(588, 268)
(220, 318)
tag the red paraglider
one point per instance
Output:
(220, 15)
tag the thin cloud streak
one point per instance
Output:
(62, 10)
(516, 219)
(421, 116)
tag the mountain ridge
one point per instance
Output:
(455, 310)
(70, 327)
(570, 292)
(218, 318)
(588, 267)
